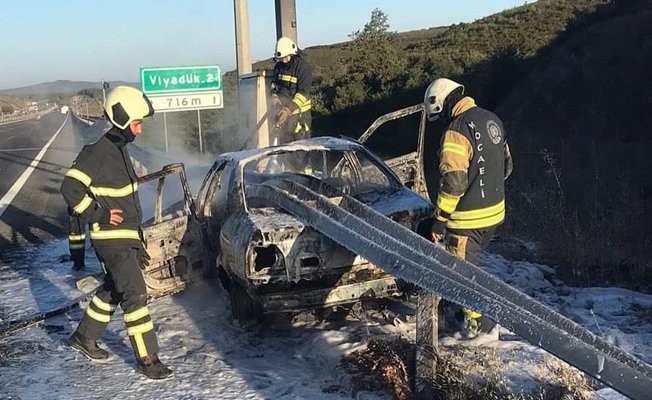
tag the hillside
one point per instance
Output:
(477, 53)
(11, 103)
(571, 80)
(578, 124)
(59, 87)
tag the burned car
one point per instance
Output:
(269, 260)
(273, 261)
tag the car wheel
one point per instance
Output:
(243, 307)
(225, 281)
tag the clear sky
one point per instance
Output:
(46, 40)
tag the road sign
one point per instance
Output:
(166, 80)
(187, 101)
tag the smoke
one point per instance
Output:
(178, 133)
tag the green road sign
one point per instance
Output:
(164, 80)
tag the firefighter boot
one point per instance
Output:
(152, 367)
(88, 347)
(77, 258)
(476, 323)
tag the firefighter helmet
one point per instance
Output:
(436, 95)
(125, 104)
(285, 47)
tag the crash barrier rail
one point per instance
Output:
(12, 119)
(413, 258)
(15, 119)
(84, 120)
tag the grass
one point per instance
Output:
(464, 373)
(15, 102)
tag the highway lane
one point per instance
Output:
(19, 143)
(36, 212)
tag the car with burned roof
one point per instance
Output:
(274, 262)
(269, 260)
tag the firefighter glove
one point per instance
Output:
(276, 101)
(143, 258)
(282, 116)
(437, 227)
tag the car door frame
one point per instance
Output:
(177, 244)
(411, 164)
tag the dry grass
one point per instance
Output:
(87, 106)
(15, 102)
(559, 377)
(382, 367)
(463, 373)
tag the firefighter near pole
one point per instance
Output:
(291, 90)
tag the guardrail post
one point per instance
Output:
(427, 345)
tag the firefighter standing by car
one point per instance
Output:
(474, 163)
(102, 188)
(291, 92)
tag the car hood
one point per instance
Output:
(402, 202)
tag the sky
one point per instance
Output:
(85, 40)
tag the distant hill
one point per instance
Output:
(63, 87)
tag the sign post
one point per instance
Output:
(183, 89)
(201, 149)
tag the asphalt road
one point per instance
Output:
(32, 209)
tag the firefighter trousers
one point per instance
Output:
(124, 285)
(468, 245)
(76, 241)
(298, 126)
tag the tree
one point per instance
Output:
(7, 109)
(377, 56)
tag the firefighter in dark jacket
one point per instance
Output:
(291, 91)
(474, 163)
(102, 188)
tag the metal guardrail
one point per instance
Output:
(10, 120)
(82, 119)
(408, 256)
(19, 118)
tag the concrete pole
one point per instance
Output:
(286, 19)
(103, 93)
(242, 42)
(165, 129)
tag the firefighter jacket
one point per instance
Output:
(292, 82)
(100, 179)
(474, 162)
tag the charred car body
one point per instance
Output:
(269, 260)
(276, 263)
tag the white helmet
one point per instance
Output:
(285, 47)
(436, 95)
(125, 104)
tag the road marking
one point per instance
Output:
(9, 197)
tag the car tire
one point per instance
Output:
(243, 307)
(224, 278)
